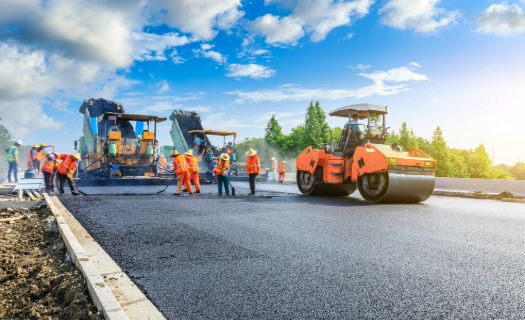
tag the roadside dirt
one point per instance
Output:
(37, 280)
(506, 195)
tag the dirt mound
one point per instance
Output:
(37, 280)
(506, 195)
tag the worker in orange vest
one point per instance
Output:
(48, 169)
(274, 168)
(39, 155)
(181, 168)
(193, 170)
(221, 169)
(253, 166)
(66, 168)
(31, 156)
(162, 164)
(282, 170)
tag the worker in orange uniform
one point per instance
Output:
(253, 166)
(31, 156)
(162, 164)
(66, 168)
(48, 169)
(221, 169)
(193, 170)
(274, 168)
(282, 171)
(39, 155)
(181, 168)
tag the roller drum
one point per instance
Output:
(396, 188)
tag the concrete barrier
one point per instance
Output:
(516, 187)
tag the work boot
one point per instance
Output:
(75, 193)
(251, 194)
(176, 194)
(198, 191)
(184, 190)
(62, 194)
(220, 194)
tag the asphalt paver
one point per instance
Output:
(288, 256)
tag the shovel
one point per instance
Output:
(75, 185)
(167, 185)
(233, 189)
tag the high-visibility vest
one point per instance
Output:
(68, 165)
(49, 166)
(39, 155)
(221, 167)
(192, 164)
(253, 165)
(282, 168)
(10, 156)
(274, 164)
(162, 163)
(180, 165)
(29, 157)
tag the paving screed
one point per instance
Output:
(288, 256)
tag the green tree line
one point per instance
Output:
(450, 162)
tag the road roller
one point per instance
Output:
(361, 160)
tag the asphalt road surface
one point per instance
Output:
(288, 256)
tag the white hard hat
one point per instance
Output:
(19, 142)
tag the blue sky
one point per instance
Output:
(456, 64)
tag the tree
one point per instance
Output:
(273, 130)
(336, 133)
(407, 138)
(315, 126)
(518, 171)
(439, 151)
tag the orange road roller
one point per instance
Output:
(361, 160)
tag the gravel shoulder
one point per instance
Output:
(37, 280)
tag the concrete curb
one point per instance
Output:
(102, 296)
(513, 200)
(464, 194)
(134, 303)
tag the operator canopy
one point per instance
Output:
(214, 133)
(360, 109)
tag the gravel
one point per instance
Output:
(286, 256)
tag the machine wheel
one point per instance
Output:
(313, 185)
(373, 186)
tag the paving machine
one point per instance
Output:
(361, 160)
(116, 144)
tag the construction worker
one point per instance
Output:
(31, 156)
(39, 155)
(222, 173)
(48, 169)
(274, 168)
(12, 160)
(253, 166)
(196, 142)
(180, 166)
(214, 162)
(193, 170)
(282, 170)
(162, 164)
(66, 168)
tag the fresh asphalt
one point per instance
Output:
(288, 256)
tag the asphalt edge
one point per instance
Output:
(100, 293)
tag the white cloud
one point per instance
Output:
(401, 74)
(502, 19)
(150, 46)
(293, 92)
(316, 17)
(421, 15)
(26, 117)
(349, 36)
(275, 29)
(260, 52)
(201, 18)
(163, 87)
(414, 65)
(207, 53)
(360, 66)
(251, 70)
